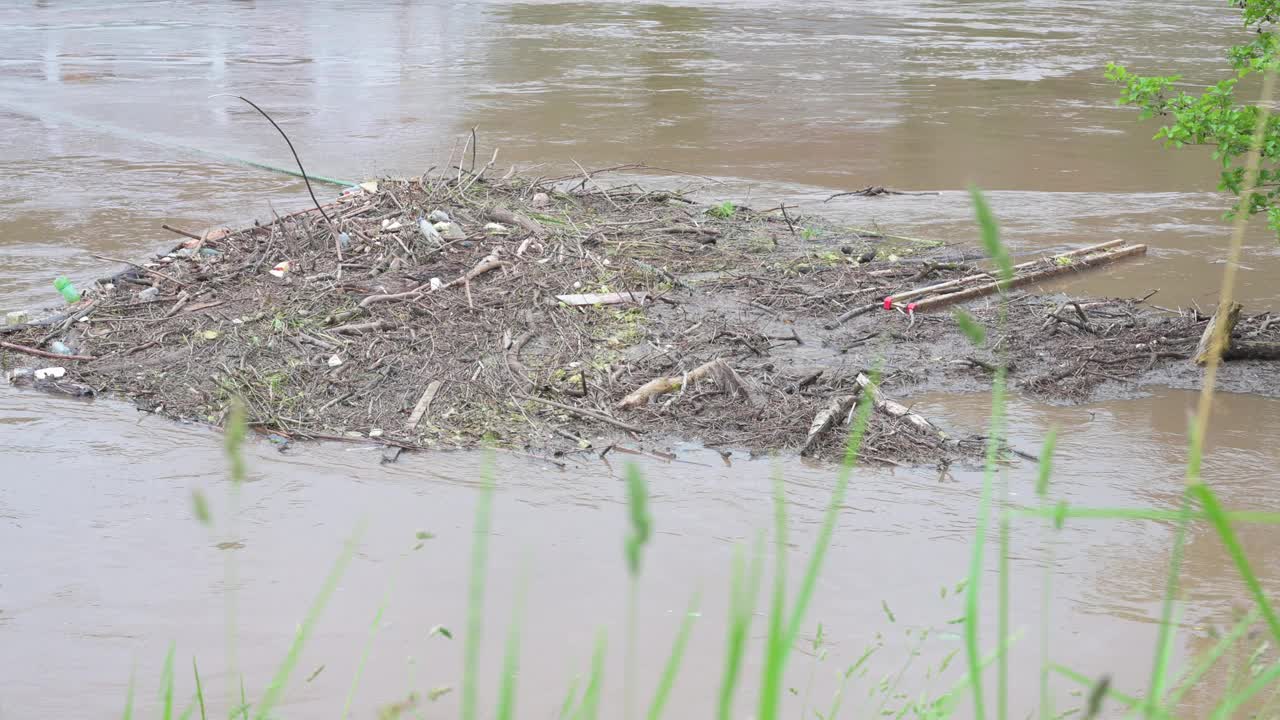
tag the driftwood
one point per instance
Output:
(897, 410)
(614, 298)
(144, 269)
(1053, 270)
(875, 190)
(1230, 348)
(506, 217)
(513, 357)
(969, 279)
(490, 262)
(1252, 350)
(717, 370)
(424, 404)
(358, 328)
(836, 412)
(41, 353)
(582, 412)
(1215, 342)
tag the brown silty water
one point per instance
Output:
(107, 129)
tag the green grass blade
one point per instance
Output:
(775, 650)
(166, 684)
(852, 447)
(190, 708)
(281, 679)
(1209, 502)
(511, 661)
(566, 708)
(1196, 672)
(1164, 637)
(976, 559)
(1129, 701)
(236, 427)
(641, 529)
(1002, 600)
(672, 669)
(199, 689)
(784, 630)
(1045, 468)
(1080, 513)
(475, 594)
(990, 235)
(944, 706)
(1230, 704)
(638, 514)
(364, 652)
(128, 700)
(744, 589)
(590, 709)
(989, 231)
(838, 700)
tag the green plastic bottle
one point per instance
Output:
(64, 286)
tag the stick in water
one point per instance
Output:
(288, 142)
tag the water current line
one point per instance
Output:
(135, 136)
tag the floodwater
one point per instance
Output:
(109, 127)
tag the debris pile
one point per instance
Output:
(555, 315)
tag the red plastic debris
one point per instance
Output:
(911, 308)
(888, 302)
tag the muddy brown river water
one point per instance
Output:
(107, 129)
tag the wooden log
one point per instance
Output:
(717, 369)
(835, 411)
(1053, 270)
(1215, 341)
(507, 217)
(1252, 350)
(969, 279)
(897, 410)
(950, 284)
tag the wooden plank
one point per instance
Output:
(424, 404)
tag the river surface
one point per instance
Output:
(111, 124)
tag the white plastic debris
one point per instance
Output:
(334, 361)
(429, 232)
(280, 270)
(540, 200)
(50, 373)
(615, 298)
(494, 228)
(17, 317)
(375, 432)
(149, 294)
(450, 231)
(438, 216)
(436, 283)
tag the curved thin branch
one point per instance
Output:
(296, 159)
